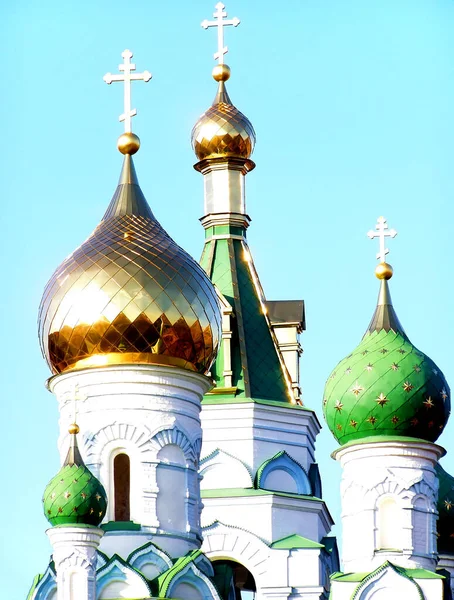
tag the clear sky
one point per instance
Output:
(353, 106)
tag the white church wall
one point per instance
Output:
(139, 410)
(254, 433)
(270, 517)
(304, 567)
(388, 494)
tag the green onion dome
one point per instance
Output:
(386, 386)
(445, 507)
(74, 495)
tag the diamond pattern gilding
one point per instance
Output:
(223, 131)
(129, 294)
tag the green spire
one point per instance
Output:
(74, 495)
(386, 386)
(258, 371)
(385, 317)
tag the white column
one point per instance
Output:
(74, 554)
(223, 182)
(388, 493)
(152, 414)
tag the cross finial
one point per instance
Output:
(127, 77)
(382, 233)
(221, 21)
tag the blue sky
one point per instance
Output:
(353, 106)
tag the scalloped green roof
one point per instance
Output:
(386, 386)
(74, 495)
(445, 507)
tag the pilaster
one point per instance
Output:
(74, 554)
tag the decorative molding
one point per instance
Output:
(230, 468)
(47, 585)
(76, 559)
(150, 553)
(234, 543)
(389, 579)
(193, 576)
(282, 461)
(175, 436)
(139, 436)
(118, 570)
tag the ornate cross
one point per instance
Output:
(74, 395)
(382, 233)
(220, 23)
(127, 77)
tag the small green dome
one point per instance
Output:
(386, 386)
(74, 495)
(445, 507)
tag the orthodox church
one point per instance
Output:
(188, 457)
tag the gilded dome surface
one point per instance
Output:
(129, 294)
(74, 495)
(222, 130)
(386, 386)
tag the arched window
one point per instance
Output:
(122, 484)
(233, 580)
(389, 525)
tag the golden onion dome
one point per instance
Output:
(222, 130)
(129, 294)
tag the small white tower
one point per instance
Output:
(387, 403)
(130, 325)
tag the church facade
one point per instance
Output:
(188, 457)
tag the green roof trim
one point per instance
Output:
(375, 439)
(281, 453)
(246, 492)
(231, 399)
(164, 581)
(36, 580)
(121, 526)
(146, 546)
(115, 558)
(295, 541)
(410, 573)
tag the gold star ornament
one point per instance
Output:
(338, 406)
(382, 400)
(357, 389)
(428, 403)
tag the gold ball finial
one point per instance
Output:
(221, 72)
(73, 428)
(383, 271)
(128, 143)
